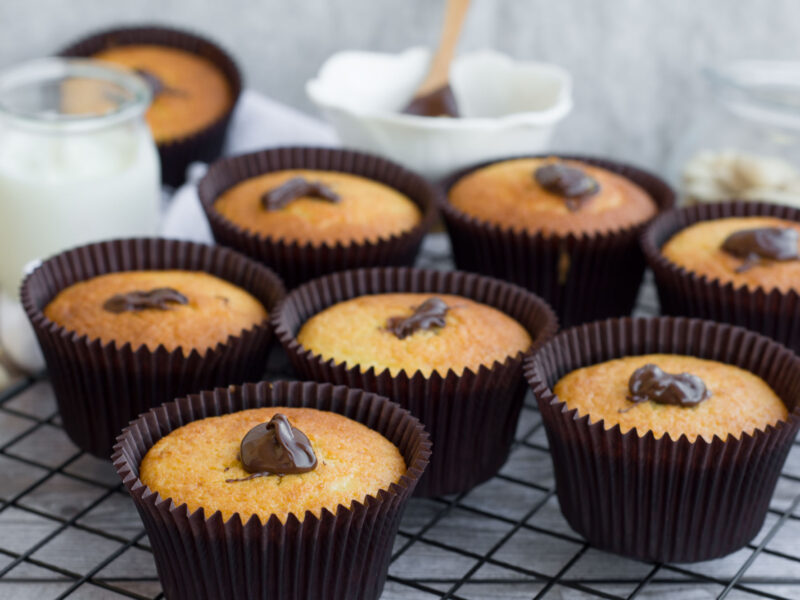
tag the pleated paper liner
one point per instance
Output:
(297, 262)
(662, 499)
(204, 145)
(101, 387)
(604, 270)
(334, 556)
(681, 292)
(471, 416)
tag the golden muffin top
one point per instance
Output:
(318, 207)
(749, 257)
(201, 463)
(189, 91)
(714, 399)
(414, 332)
(551, 196)
(176, 309)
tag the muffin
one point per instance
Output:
(303, 487)
(735, 262)
(174, 309)
(337, 223)
(414, 332)
(318, 207)
(667, 435)
(448, 346)
(189, 91)
(563, 227)
(195, 86)
(338, 460)
(128, 324)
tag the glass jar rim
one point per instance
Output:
(761, 90)
(43, 70)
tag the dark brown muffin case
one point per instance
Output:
(204, 145)
(471, 417)
(99, 388)
(604, 269)
(683, 292)
(335, 556)
(296, 262)
(662, 499)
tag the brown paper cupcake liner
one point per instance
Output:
(101, 387)
(297, 262)
(663, 499)
(205, 145)
(471, 416)
(334, 556)
(681, 292)
(584, 277)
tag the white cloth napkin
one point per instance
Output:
(258, 122)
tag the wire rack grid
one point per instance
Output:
(68, 528)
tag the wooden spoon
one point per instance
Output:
(434, 98)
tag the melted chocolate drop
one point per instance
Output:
(650, 384)
(159, 299)
(760, 244)
(276, 448)
(571, 183)
(297, 187)
(427, 315)
(439, 103)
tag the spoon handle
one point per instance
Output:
(439, 73)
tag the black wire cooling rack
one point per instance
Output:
(68, 528)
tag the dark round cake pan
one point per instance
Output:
(296, 262)
(604, 270)
(664, 499)
(682, 292)
(206, 144)
(99, 386)
(458, 409)
(336, 555)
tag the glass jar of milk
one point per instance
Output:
(77, 161)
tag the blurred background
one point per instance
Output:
(636, 64)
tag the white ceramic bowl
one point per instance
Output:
(508, 107)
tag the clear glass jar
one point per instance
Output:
(746, 144)
(77, 160)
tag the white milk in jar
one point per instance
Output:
(77, 161)
(77, 164)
